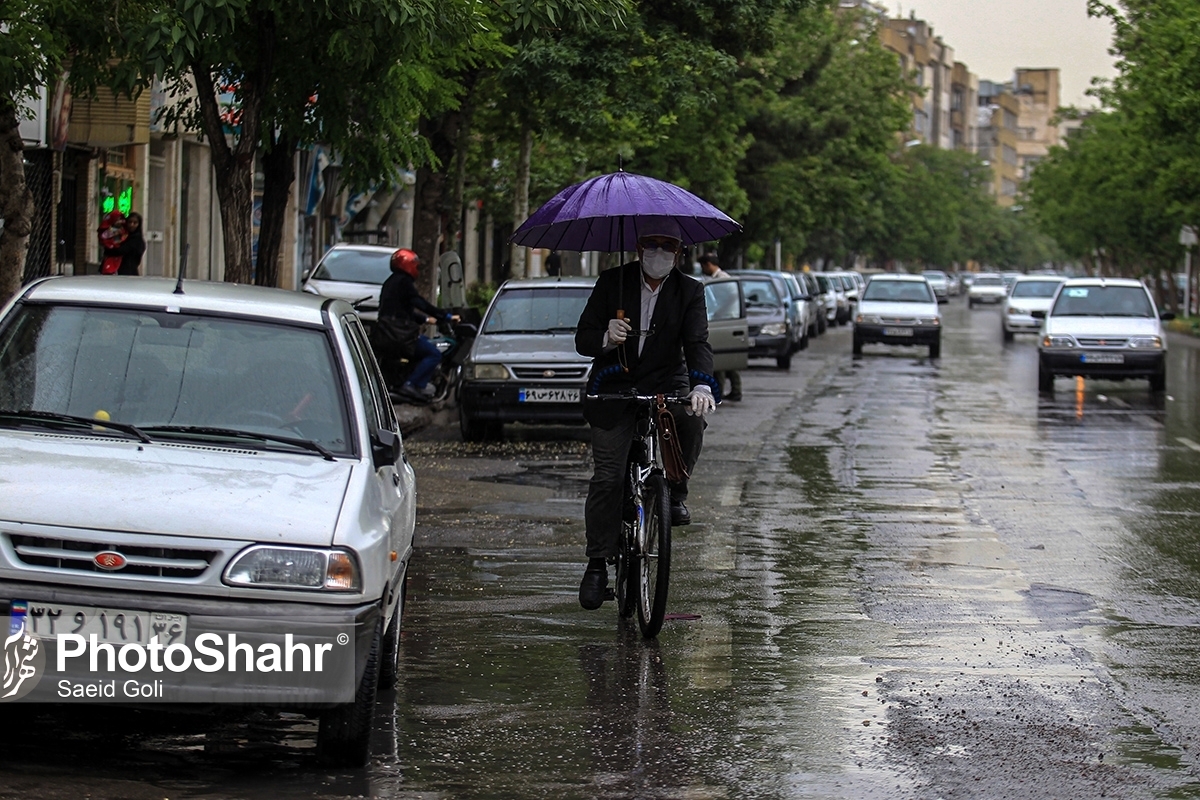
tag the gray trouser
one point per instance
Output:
(610, 454)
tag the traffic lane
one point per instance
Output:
(1037, 532)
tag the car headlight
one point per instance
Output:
(929, 321)
(1014, 310)
(488, 372)
(1146, 342)
(868, 319)
(773, 329)
(1058, 341)
(267, 567)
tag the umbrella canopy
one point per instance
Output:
(606, 213)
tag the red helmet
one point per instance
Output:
(404, 260)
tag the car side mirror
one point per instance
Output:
(1167, 316)
(1038, 314)
(385, 448)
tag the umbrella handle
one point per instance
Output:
(620, 313)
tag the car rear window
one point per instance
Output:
(898, 292)
(1035, 288)
(1103, 301)
(354, 266)
(552, 309)
(153, 368)
(760, 293)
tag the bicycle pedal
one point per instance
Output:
(610, 594)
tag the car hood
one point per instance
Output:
(977, 289)
(1102, 327)
(343, 290)
(193, 490)
(539, 348)
(760, 315)
(882, 308)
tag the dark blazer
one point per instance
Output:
(677, 347)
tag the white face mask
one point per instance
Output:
(657, 264)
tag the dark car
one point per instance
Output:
(767, 309)
(798, 303)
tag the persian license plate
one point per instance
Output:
(897, 331)
(548, 396)
(115, 625)
(1102, 358)
(750, 342)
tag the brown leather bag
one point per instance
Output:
(668, 443)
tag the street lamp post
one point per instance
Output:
(1187, 238)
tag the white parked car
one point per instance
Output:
(197, 463)
(354, 273)
(1103, 328)
(940, 282)
(1028, 294)
(987, 287)
(898, 309)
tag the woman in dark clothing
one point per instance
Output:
(132, 249)
(399, 298)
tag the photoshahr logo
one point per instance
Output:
(24, 658)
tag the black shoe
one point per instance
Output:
(680, 516)
(592, 588)
(409, 394)
(734, 398)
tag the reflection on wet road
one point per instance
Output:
(907, 578)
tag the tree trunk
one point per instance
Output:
(430, 193)
(279, 173)
(233, 167)
(519, 257)
(16, 203)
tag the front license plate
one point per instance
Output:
(897, 331)
(1102, 358)
(750, 342)
(548, 396)
(115, 625)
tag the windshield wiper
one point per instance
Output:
(72, 420)
(232, 433)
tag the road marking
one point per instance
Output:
(731, 495)
(1188, 443)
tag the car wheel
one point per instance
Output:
(784, 362)
(1008, 335)
(935, 348)
(970, 304)
(344, 731)
(476, 430)
(858, 345)
(389, 668)
(1045, 380)
(804, 340)
(821, 325)
(1158, 381)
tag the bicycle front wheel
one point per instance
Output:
(654, 555)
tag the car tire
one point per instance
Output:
(1008, 335)
(389, 667)
(970, 304)
(1045, 380)
(804, 340)
(1158, 381)
(857, 346)
(822, 325)
(784, 362)
(935, 348)
(344, 731)
(478, 430)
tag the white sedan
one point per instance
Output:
(898, 310)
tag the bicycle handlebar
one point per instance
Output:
(593, 388)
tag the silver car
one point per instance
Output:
(198, 463)
(940, 282)
(354, 273)
(1103, 328)
(1030, 293)
(898, 309)
(986, 287)
(523, 366)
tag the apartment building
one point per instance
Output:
(1039, 94)
(998, 114)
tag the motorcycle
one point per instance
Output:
(453, 341)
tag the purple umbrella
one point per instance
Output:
(605, 213)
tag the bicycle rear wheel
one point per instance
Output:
(654, 555)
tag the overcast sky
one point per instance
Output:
(994, 37)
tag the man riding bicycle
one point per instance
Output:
(660, 343)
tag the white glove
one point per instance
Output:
(701, 399)
(618, 330)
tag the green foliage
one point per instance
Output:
(479, 295)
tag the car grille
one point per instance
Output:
(754, 329)
(1097, 342)
(559, 373)
(65, 554)
(899, 321)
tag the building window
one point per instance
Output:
(1010, 155)
(956, 100)
(1008, 187)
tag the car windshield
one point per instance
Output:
(355, 266)
(153, 368)
(898, 292)
(935, 275)
(1035, 288)
(760, 293)
(1103, 301)
(552, 309)
(989, 280)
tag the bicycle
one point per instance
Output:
(643, 561)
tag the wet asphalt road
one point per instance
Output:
(906, 579)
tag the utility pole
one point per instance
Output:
(1187, 238)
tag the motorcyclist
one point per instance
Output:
(399, 299)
